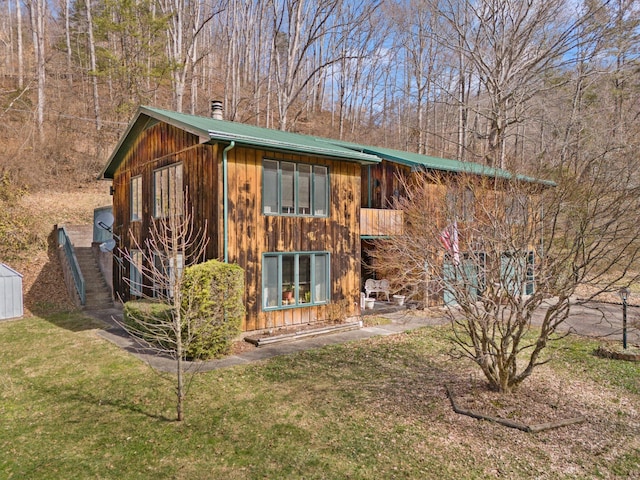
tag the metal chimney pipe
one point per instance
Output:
(216, 109)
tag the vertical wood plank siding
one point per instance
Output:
(377, 184)
(250, 233)
(159, 146)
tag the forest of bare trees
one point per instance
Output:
(524, 84)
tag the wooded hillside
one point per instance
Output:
(537, 86)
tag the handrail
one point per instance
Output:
(78, 279)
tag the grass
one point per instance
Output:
(75, 406)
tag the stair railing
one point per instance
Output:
(72, 261)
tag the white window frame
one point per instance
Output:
(135, 273)
(165, 267)
(135, 190)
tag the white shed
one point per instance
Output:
(10, 293)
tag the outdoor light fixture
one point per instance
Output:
(624, 295)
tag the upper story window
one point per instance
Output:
(516, 208)
(136, 198)
(460, 203)
(294, 189)
(167, 184)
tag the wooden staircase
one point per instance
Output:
(97, 292)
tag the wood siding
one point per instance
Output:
(380, 222)
(250, 233)
(379, 184)
(159, 146)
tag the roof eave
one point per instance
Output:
(359, 157)
(143, 118)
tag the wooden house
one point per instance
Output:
(292, 210)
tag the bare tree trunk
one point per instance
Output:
(463, 108)
(92, 65)
(67, 38)
(37, 11)
(20, 48)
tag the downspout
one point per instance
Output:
(368, 186)
(225, 200)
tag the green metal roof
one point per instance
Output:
(419, 162)
(212, 130)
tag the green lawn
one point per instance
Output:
(72, 405)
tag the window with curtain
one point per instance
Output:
(136, 198)
(168, 193)
(294, 189)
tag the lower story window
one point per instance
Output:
(295, 279)
(166, 271)
(135, 273)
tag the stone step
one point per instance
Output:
(97, 293)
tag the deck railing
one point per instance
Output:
(72, 262)
(376, 222)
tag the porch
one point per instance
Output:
(377, 222)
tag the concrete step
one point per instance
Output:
(97, 293)
(261, 340)
(80, 235)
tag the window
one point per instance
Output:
(460, 203)
(294, 189)
(135, 273)
(167, 183)
(516, 206)
(136, 198)
(165, 273)
(295, 279)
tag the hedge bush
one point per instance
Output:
(212, 312)
(213, 308)
(151, 321)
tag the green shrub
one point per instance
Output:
(151, 321)
(212, 312)
(212, 302)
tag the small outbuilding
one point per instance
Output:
(10, 293)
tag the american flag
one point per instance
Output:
(449, 238)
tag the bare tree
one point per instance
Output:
(185, 24)
(299, 27)
(20, 46)
(38, 15)
(66, 11)
(172, 245)
(416, 22)
(509, 256)
(92, 66)
(511, 47)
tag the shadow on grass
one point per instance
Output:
(71, 397)
(48, 296)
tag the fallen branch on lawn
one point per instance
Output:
(510, 423)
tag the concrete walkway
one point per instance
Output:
(596, 320)
(400, 322)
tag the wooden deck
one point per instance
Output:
(375, 222)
